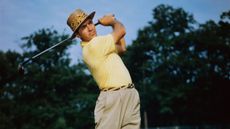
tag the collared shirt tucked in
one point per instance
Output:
(105, 65)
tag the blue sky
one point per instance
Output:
(19, 18)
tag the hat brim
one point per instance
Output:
(90, 16)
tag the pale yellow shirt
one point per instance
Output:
(107, 68)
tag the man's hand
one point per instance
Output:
(118, 28)
(107, 20)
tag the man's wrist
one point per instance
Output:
(113, 23)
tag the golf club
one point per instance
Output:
(21, 65)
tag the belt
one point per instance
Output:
(129, 86)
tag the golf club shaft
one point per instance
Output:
(46, 50)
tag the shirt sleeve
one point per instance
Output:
(105, 44)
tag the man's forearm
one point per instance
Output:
(121, 46)
(118, 31)
(118, 28)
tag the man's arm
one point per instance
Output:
(121, 46)
(118, 28)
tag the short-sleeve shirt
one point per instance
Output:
(101, 57)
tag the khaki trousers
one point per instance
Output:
(118, 110)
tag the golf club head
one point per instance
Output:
(21, 69)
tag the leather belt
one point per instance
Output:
(129, 86)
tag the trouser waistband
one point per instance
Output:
(129, 86)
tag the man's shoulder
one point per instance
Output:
(102, 37)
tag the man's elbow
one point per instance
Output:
(124, 49)
(123, 32)
(121, 51)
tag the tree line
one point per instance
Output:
(180, 67)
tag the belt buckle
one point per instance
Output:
(130, 85)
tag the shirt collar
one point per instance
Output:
(83, 43)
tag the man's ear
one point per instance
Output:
(77, 34)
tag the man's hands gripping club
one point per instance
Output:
(107, 20)
(118, 31)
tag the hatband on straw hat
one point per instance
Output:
(77, 18)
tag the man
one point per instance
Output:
(118, 105)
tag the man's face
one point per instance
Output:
(87, 30)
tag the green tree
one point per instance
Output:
(178, 66)
(8, 81)
(211, 53)
(52, 94)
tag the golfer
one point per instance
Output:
(118, 105)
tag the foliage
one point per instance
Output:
(181, 68)
(52, 94)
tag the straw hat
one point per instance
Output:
(77, 18)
